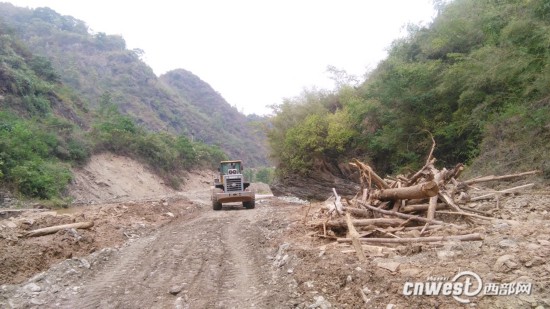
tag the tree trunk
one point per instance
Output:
(355, 239)
(423, 190)
(383, 222)
(53, 229)
(405, 216)
(467, 237)
(432, 207)
(421, 207)
(492, 177)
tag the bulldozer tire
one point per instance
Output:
(216, 205)
(250, 204)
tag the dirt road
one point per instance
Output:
(217, 260)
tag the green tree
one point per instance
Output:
(265, 175)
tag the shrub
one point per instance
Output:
(42, 179)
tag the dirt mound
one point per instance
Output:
(108, 177)
(261, 188)
(114, 224)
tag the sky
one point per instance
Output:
(254, 53)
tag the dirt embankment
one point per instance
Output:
(317, 185)
(114, 224)
(109, 177)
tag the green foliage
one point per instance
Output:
(38, 178)
(265, 175)
(167, 153)
(297, 132)
(25, 76)
(479, 65)
(43, 68)
(261, 174)
(27, 153)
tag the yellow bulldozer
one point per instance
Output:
(231, 186)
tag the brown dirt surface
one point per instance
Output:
(176, 252)
(516, 248)
(108, 177)
(113, 225)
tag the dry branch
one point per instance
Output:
(510, 190)
(365, 168)
(449, 201)
(432, 207)
(466, 214)
(54, 229)
(467, 237)
(504, 177)
(382, 222)
(355, 239)
(422, 207)
(338, 203)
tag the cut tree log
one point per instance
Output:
(2, 211)
(382, 222)
(405, 216)
(54, 229)
(467, 237)
(503, 177)
(422, 190)
(492, 194)
(365, 213)
(431, 208)
(338, 203)
(355, 239)
(421, 207)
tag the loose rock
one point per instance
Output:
(175, 289)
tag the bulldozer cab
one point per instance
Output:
(230, 167)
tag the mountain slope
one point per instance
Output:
(477, 75)
(46, 130)
(41, 124)
(216, 120)
(98, 64)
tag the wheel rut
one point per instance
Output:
(212, 261)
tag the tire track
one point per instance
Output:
(134, 271)
(102, 291)
(213, 260)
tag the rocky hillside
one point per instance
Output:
(215, 121)
(47, 129)
(97, 64)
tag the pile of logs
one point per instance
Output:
(400, 204)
